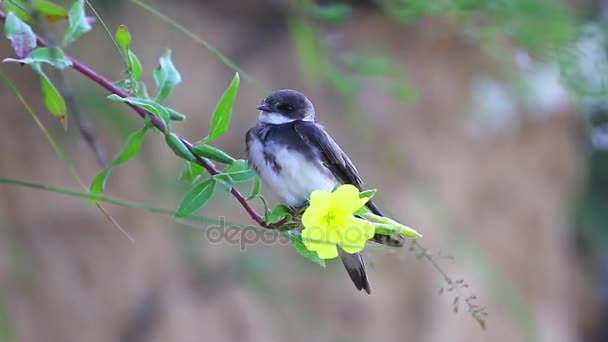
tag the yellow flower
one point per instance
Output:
(329, 222)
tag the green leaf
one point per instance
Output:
(367, 193)
(52, 98)
(386, 225)
(334, 13)
(191, 172)
(196, 198)
(134, 65)
(149, 105)
(123, 38)
(130, 148)
(223, 110)
(277, 214)
(174, 115)
(178, 147)
(212, 153)
(77, 23)
(23, 39)
(166, 77)
(239, 171)
(255, 188)
(291, 225)
(50, 55)
(51, 11)
(298, 245)
(224, 180)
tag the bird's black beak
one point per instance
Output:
(264, 108)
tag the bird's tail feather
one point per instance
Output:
(356, 269)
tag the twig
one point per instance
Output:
(85, 127)
(458, 286)
(157, 122)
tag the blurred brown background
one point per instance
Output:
(486, 153)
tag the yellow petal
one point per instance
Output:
(319, 206)
(353, 248)
(355, 233)
(345, 200)
(314, 240)
(320, 197)
(326, 251)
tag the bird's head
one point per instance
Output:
(284, 106)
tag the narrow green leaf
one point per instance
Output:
(50, 11)
(196, 198)
(384, 224)
(212, 153)
(255, 188)
(239, 171)
(123, 38)
(19, 8)
(175, 116)
(298, 245)
(149, 105)
(367, 193)
(98, 184)
(23, 39)
(134, 65)
(50, 55)
(166, 77)
(77, 23)
(223, 111)
(130, 148)
(191, 172)
(52, 98)
(277, 214)
(178, 147)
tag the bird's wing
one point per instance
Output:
(331, 154)
(342, 167)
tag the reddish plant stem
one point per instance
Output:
(157, 122)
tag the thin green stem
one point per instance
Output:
(58, 149)
(105, 27)
(227, 61)
(106, 199)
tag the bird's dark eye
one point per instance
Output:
(284, 107)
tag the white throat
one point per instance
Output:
(274, 118)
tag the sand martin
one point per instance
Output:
(294, 156)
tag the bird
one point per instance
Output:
(294, 155)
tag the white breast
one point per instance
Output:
(297, 178)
